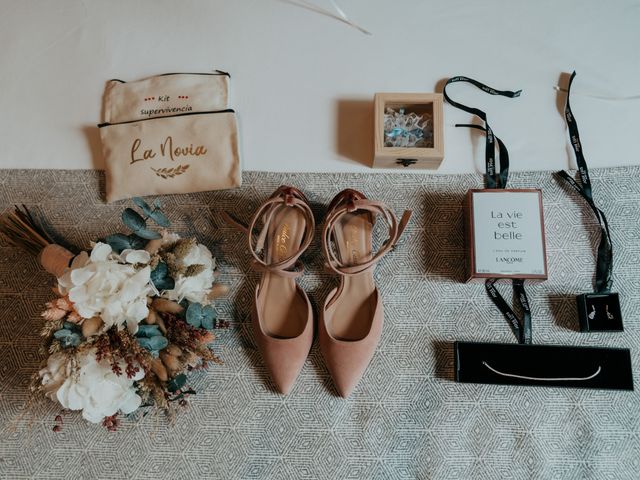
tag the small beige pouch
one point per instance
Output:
(165, 95)
(185, 153)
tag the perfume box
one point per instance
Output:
(504, 234)
(429, 151)
(543, 365)
(599, 312)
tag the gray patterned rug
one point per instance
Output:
(407, 418)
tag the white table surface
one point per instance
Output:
(303, 83)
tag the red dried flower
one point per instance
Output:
(115, 368)
(131, 369)
(111, 423)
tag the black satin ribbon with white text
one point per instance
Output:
(521, 327)
(492, 180)
(604, 263)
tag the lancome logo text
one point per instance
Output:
(509, 260)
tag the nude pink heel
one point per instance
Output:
(351, 320)
(282, 316)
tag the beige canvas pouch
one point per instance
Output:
(165, 95)
(185, 153)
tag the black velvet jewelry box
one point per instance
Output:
(599, 312)
(543, 365)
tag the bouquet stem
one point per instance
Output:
(55, 259)
(22, 230)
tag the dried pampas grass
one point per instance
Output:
(22, 230)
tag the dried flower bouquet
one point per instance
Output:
(131, 316)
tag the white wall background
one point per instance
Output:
(303, 83)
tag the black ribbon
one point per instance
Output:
(492, 180)
(503, 154)
(521, 327)
(604, 263)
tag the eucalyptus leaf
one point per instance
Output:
(154, 343)
(194, 315)
(160, 272)
(118, 242)
(145, 343)
(157, 203)
(142, 204)
(158, 342)
(67, 338)
(148, 331)
(166, 283)
(148, 234)
(159, 217)
(70, 326)
(72, 340)
(137, 243)
(209, 323)
(209, 312)
(133, 220)
(200, 316)
(208, 317)
(177, 382)
(63, 333)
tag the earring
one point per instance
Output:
(609, 315)
(592, 314)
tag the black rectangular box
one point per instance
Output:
(543, 365)
(599, 312)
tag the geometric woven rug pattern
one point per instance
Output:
(407, 419)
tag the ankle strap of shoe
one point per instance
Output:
(354, 201)
(293, 198)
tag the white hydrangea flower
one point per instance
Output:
(54, 374)
(110, 286)
(95, 390)
(196, 287)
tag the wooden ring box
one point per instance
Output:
(403, 157)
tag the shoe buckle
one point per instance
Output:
(351, 203)
(289, 197)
